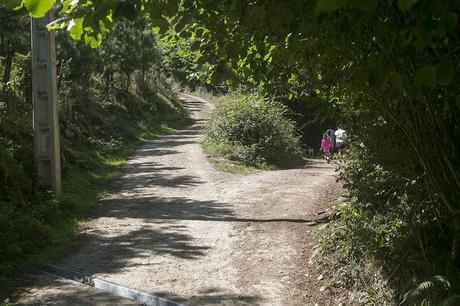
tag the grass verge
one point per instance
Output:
(219, 155)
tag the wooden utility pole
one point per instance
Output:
(44, 96)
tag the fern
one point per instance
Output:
(433, 285)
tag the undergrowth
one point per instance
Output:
(387, 245)
(356, 255)
(248, 132)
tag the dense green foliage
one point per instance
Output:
(111, 99)
(254, 132)
(399, 100)
(390, 68)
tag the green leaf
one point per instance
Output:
(267, 56)
(170, 9)
(93, 39)
(182, 23)
(445, 72)
(12, 4)
(426, 76)
(329, 5)
(161, 25)
(38, 8)
(75, 28)
(404, 5)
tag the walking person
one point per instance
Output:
(326, 148)
(340, 137)
(331, 138)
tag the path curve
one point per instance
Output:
(176, 227)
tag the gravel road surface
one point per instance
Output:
(176, 227)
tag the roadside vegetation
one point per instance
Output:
(247, 132)
(111, 100)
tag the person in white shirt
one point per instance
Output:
(340, 137)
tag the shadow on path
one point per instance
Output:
(109, 254)
(214, 296)
(158, 208)
(178, 208)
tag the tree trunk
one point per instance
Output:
(7, 69)
(6, 78)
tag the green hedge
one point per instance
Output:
(254, 132)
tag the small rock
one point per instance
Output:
(322, 289)
(320, 277)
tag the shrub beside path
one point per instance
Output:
(176, 227)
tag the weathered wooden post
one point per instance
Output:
(44, 97)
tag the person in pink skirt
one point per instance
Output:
(326, 147)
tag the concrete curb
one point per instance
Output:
(111, 288)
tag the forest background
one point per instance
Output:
(388, 70)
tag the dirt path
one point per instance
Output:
(174, 226)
